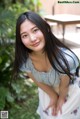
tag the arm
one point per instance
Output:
(64, 84)
(63, 91)
(46, 88)
(50, 91)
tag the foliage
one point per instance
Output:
(15, 95)
(26, 104)
(7, 35)
(33, 5)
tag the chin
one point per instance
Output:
(38, 49)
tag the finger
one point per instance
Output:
(54, 111)
(59, 109)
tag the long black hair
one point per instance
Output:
(52, 44)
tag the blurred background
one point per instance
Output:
(19, 97)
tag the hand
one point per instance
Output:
(53, 104)
(60, 103)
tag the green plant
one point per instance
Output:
(19, 96)
(27, 102)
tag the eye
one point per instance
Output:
(35, 30)
(24, 36)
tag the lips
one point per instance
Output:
(36, 44)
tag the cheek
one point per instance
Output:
(25, 42)
(40, 35)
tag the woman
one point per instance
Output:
(50, 64)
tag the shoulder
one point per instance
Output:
(70, 55)
(26, 66)
(71, 58)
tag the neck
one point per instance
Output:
(38, 55)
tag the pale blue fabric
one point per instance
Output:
(51, 77)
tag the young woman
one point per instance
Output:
(50, 64)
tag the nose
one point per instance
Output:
(32, 37)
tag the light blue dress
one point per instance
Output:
(52, 78)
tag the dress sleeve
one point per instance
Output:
(72, 61)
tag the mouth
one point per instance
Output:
(36, 44)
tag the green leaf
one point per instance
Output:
(3, 92)
(16, 87)
(9, 97)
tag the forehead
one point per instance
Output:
(26, 26)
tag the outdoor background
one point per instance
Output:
(20, 97)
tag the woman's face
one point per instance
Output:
(31, 36)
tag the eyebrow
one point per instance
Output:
(25, 31)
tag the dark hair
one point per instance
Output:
(52, 44)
